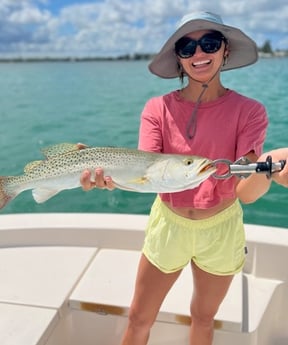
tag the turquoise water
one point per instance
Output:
(99, 103)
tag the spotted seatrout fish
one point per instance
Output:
(130, 169)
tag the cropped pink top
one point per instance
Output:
(229, 127)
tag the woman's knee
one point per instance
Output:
(139, 319)
(202, 315)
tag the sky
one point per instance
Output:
(119, 27)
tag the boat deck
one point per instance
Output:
(68, 279)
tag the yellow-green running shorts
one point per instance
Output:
(216, 244)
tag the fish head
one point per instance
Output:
(192, 170)
(203, 168)
(181, 172)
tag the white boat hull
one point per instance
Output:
(68, 279)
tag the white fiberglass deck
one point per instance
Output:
(108, 286)
(69, 279)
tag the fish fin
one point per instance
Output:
(41, 195)
(82, 146)
(140, 180)
(31, 166)
(60, 149)
(5, 196)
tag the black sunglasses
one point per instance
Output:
(210, 43)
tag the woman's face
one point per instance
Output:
(202, 66)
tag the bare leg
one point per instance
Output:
(209, 291)
(152, 285)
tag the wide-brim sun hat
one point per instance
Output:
(243, 50)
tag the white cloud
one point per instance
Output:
(28, 15)
(113, 27)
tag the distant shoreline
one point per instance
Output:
(136, 57)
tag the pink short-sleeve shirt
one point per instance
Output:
(229, 127)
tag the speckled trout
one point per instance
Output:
(130, 169)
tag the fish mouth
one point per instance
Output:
(207, 167)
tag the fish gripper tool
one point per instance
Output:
(243, 167)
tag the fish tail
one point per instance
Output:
(5, 194)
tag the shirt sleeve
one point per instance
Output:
(252, 130)
(150, 133)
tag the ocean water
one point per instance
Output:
(99, 103)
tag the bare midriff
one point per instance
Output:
(197, 214)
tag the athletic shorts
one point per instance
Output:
(215, 244)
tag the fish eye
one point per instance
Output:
(188, 161)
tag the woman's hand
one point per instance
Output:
(281, 178)
(100, 181)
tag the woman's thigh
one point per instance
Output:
(151, 287)
(208, 292)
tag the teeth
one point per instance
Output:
(201, 63)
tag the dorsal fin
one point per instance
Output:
(32, 165)
(60, 149)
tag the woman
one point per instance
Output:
(204, 226)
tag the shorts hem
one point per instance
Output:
(218, 273)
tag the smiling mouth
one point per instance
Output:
(201, 63)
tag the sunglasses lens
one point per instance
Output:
(210, 43)
(185, 47)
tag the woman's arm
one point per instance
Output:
(256, 185)
(281, 177)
